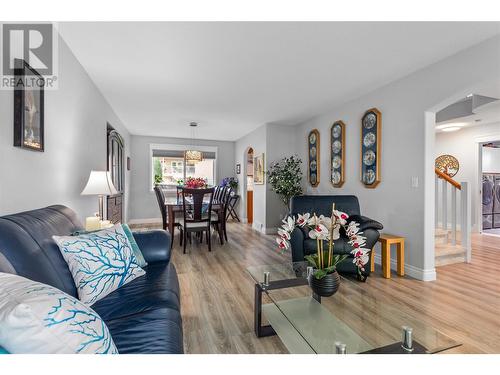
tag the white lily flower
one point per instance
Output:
(288, 224)
(341, 217)
(303, 219)
(319, 232)
(282, 243)
(283, 234)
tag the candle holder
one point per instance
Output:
(407, 339)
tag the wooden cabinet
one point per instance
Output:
(116, 151)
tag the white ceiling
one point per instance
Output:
(233, 77)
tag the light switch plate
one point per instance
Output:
(414, 182)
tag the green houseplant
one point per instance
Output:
(285, 177)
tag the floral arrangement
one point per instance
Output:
(285, 178)
(195, 183)
(230, 181)
(326, 229)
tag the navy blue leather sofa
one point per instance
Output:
(143, 316)
(302, 245)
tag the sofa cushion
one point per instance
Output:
(158, 288)
(100, 262)
(38, 318)
(148, 332)
(340, 246)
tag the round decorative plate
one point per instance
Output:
(369, 121)
(312, 152)
(313, 178)
(336, 147)
(336, 162)
(336, 177)
(369, 177)
(312, 138)
(312, 166)
(336, 131)
(369, 158)
(369, 139)
(447, 164)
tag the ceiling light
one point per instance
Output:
(451, 125)
(451, 129)
(193, 155)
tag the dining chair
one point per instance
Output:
(219, 221)
(160, 197)
(197, 214)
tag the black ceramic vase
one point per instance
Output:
(327, 286)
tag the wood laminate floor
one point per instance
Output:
(217, 295)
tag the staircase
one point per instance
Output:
(453, 208)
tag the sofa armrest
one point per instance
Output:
(154, 245)
(297, 244)
(365, 222)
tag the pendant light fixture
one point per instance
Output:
(193, 155)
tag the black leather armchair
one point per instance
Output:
(302, 245)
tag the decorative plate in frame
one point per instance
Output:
(371, 132)
(337, 154)
(313, 153)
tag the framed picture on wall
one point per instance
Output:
(258, 169)
(238, 168)
(28, 108)
(371, 133)
(313, 151)
(337, 153)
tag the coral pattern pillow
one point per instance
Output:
(100, 262)
(38, 318)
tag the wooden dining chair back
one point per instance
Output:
(160, 197)
(197, 208)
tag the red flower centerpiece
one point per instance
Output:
(195, 183)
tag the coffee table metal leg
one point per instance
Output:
(260, 330)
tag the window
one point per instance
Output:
(169, 166)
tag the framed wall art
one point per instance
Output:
(258, 169)
(28, 108)
(238, 168)
(313, 169)
(371, 134)
(337, 153)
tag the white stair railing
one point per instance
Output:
(464, 217)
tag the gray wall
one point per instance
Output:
(75, 143)
(143, 203)
(257, 140)
(395, 203)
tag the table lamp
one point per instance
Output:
(100, 184)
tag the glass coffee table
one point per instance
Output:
(353, 320)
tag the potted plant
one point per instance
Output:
(285, 177)
(324, 279)
(231, 182)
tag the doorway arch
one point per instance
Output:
(248, 184)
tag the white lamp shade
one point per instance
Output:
(99, 183)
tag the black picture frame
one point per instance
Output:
(29, 108)
(238, 168)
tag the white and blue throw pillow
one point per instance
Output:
(38, 318)
(100, 262)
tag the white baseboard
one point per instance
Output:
(145, 221)
(415, 272)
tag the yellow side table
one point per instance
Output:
(386, 240)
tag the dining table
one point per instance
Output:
(174, 206)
